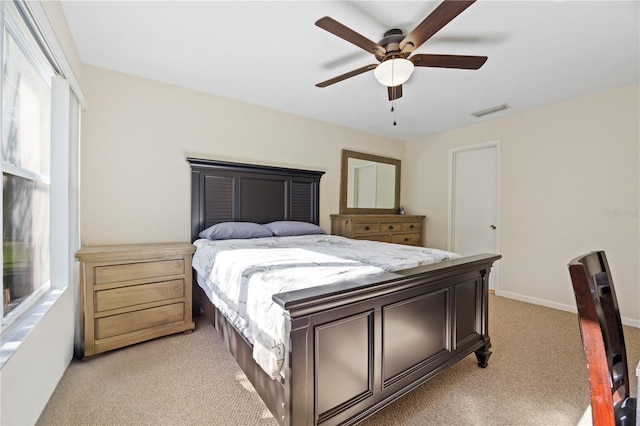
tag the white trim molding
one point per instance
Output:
(559, 306)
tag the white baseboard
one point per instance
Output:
(555, 305)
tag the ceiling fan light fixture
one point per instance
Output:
(393, 72)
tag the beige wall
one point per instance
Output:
(136, 134)
(570, 184)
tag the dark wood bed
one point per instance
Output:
(354, 347)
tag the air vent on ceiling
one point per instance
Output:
(491, 110)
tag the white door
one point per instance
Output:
(474, 202)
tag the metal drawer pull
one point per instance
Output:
(407, 239)
(390, 227)
(366, 228)
(411, 226)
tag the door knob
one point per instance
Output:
(492, 226)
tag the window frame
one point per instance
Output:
(65, 195)
(29, 39)
(28, 44)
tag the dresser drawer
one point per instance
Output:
(366, 228)
(409, 239)
(123, 297)
(391, 227)
(138, 320)
(412, 227)
(141, 270)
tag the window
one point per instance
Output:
(26, 147)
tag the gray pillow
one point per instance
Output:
(288, 228)
(235, 230)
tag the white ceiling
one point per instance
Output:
(271, 54)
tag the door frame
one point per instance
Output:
(453, 152)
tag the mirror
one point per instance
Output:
(369, 183)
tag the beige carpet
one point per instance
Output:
(536, 376)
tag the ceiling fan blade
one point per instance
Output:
(441, 16)
(394, 92)
(346, 75)
(346, 33)
(448, 61)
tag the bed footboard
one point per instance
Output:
(356, 347)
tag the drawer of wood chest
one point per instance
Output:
(410, 239)
(138, 270)
(391, 227)
(137, 294)
(138, 320)
(412, 227)
(366, 228)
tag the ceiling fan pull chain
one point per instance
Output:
(393, 109)
(393, 103)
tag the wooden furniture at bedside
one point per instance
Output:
(133, 293)
(390, 228)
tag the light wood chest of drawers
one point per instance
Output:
(390, 228)
(133, 293)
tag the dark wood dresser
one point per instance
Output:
(390, 228)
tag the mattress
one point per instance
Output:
(240, 277)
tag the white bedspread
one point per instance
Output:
(242, 275)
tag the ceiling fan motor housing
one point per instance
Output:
(391, 43)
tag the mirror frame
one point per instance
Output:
(344, 175)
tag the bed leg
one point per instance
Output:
(483, 354)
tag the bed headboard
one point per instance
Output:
(234, 192)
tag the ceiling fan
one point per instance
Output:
(394, 50)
